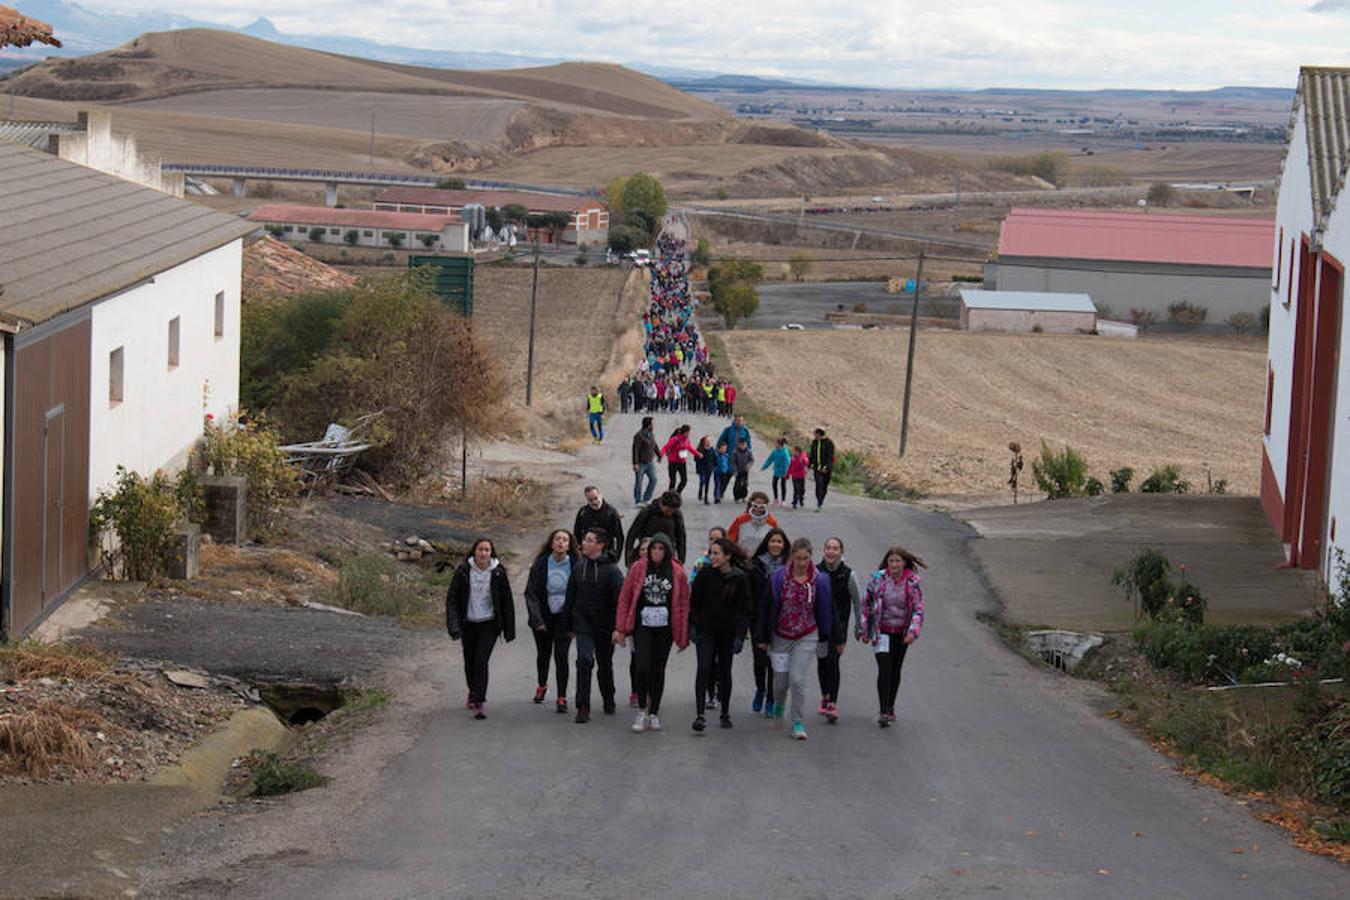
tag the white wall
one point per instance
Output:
(162, 410)
(2, 446)
(1294, 216)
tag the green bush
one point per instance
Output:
(351, 236)
(273, 776)
(283, 337)
(252, 450)
(141, 513)
(1120, 480)
(1094, 487)
(372, 584)
(1048, 165)
(428, 240)
(1145, 580)
(702, 254)
(1166, 480)
(1060, 473)
(316, 234)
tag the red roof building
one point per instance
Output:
(1137, 261)
(590, 217)
(371, 228)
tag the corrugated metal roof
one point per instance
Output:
(34, 134)
(70, 235)
(455, 198)
(1027, 300)
(1137, 237)
(351, 218)
(1325, 94)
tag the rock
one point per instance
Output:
(412, 540)
(414, 554)
(425, 546)
(184, 678)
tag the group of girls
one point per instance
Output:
(793, 607)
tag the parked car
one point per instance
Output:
(793, 326)
(640, 257)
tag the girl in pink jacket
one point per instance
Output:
(891, 619)
(798, 465)
(677, 452)
(654, 609)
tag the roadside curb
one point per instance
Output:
(204, 767)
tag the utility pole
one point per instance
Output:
(909, 363)
(534, 304)
(957, 215)
(371, 152)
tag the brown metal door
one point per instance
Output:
(53, 502)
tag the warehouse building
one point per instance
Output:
(1027, 311)
(364, 227)
(1137, 261)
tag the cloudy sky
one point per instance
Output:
(1191, 44)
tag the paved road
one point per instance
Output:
(806, 303)
(1000, 777)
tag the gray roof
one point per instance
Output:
(1325, 94)
(1027, 300)
(70, 235)
(34, 134)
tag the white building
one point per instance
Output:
(365, 227)
(119, 309)
(1305, 470)
(1027, 311)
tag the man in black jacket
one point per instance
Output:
(821, 456)
(661, 517)
(645, 454)
(597, 513)
(592, 602)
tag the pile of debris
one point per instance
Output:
(275, 269)
(411, 549)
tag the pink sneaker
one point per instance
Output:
(468, 701)
(831, 713)
(824, 708)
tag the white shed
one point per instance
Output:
(1027, 311)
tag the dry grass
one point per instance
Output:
(266, 574)
(511, 497)
(1122, 403)
(33, 659)
(35, 742)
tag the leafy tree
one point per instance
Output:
(643, 192)
(733, 290)
(702, 254)
(640, 220)
(493, 216)
(1060, 474)
(514, 212)
(280, 337)
(395, 239)
(316, 234)
(799, 264)
(351, 236)
(428, 239)
(451, 184)
(614, 197)
(1160, 193)
(623, 239)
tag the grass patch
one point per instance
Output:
(33, 659)
(35, 742)
(274, 776)
(758, 417)
(374, 584)
(501, 498)
(362, 700)
(1337, 830)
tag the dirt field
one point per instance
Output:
(586, 330)
(1123, 403)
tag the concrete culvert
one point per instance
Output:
(300, 703)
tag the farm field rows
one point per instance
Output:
(1135, 403)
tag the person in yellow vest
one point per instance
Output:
(721, 398)
(595, 414)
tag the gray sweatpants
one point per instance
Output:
(800, 654)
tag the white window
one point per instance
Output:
(220, 313)
(173, 342)
(115, 376)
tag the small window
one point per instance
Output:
(1293, 271)
(288, 228)
(367, 234)
(220, 313)
(174, 331)
(115, 376)
(332, 231)
(1270, 395)
(1279, 261)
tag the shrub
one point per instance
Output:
(625, 239)
(275, 231)
(1120, 480)
(1048, 165)
(251, 449)
(799, 264)
(1145, 580)
(1143, 319)
(428, 240)
(702, 254)
(273, 776)
(1161, 193)
(860, 307)
(372, 584)
(1037, 329)
(968, 279)
(1165, 480)
(394, 238)
(351, 236)
(1060, 474)
(450, 184)
(1094, 487)
(1326, 744)
(142, 513)
(722, 193)
(1243, 322)
(1187, 313)
(276, 338)
(316, 234)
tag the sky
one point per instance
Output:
(1069, 44)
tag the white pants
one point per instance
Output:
(791, 663)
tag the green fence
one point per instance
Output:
(453, 279)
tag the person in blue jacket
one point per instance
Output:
(721, 471)
(736, 431)
(779, 459)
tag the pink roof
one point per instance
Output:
(535, 203)
(1138, 237)
(350, 218)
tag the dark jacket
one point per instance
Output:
(766, 617)
(821, 455)
(651, 522)
(536, 591)
(841, 598)
(720, 604)
(706, 463)
(645, 448)
(593, 596)
(457, 602)
(606, 517)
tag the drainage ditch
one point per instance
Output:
(299, 703)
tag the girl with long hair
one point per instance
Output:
(545, 596)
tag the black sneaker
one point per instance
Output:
(726, 721)
(610, 708)
(583, 715)
(699, 723)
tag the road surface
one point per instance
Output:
(999, 777)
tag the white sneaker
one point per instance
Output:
(653, 723)
(640, 723)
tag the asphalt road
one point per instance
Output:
(999, 777)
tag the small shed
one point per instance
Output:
(1027, 311)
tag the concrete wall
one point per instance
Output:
(1125, 286)
(1026, 320)
(161, 414)
(97, 147)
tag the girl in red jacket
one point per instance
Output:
(654, 609)
(677, 452)
(798, 466)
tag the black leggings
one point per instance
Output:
(827, 669)
(651, 649)
(763, 674)
(552, 643)
(478, 640)
(888, 672)
(799, 492)
(681, 470)
(779, 488)
(714, 670)
(822, 486)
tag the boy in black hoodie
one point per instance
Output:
(592, 600)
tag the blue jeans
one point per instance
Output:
(597, 423)
(645, 470)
